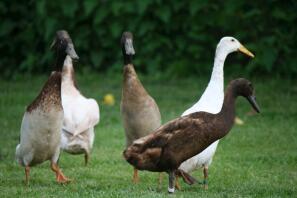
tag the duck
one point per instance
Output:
(211, 101)
(40, 133)
(182, 138)
(81, 115)
(140, 113)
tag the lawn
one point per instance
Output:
(257, 159)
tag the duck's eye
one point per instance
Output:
(232, 40)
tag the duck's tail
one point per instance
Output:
(186, 177)
(143, 160)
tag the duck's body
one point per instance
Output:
(42, 122)
(80, 115)
(185, 137)
(140, 113)
(211, 101)
(40, 126)
(139, 110)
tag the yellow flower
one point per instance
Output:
(108, 99)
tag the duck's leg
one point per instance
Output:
(160, 180)
(205, 181)
(177, 185)
(27, 173)
(60, 177)
(87, 157)
(171, 182)
(135, 176)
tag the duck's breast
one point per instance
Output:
(40, 135)
(140, 118)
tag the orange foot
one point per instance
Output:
(177, 185)
(60, 177)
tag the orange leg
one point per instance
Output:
(135, 176)
(60, 178)
(27, 173)
(177, 185)
(205, 181)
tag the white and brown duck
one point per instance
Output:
(42, 122)
(140, 113)
(211, 101)
(81, 114)
(182, 138)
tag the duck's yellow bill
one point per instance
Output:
(246, 51)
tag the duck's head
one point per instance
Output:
(63, 45)
(231, 44)
(127, 47)
(243, 87)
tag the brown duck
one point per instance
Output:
(42, 121)
(140, 113)
(182, 138)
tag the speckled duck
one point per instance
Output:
(42, 122)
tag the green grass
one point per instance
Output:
(258, 159)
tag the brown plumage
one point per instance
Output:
(184, 137)
(50, 95)
(140, 113)
(42, 122)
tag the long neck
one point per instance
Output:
(68, 73)
(60, 57)
(227, 113)
(131, 83)
(218, 67)
(130, 74)
(127, 58)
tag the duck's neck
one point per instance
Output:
(129, 73)
(50, 95)
(60, 57)
(218, 67)
(131, 81)
(227, 113)
(68, 76)
(127, 58)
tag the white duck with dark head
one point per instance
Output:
(211, 101)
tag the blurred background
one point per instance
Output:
(172, 37)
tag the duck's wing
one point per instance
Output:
(165, 133)
(80, 114)
(152, 152)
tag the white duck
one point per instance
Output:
(80, 115)
(211, 101)
(42, 122)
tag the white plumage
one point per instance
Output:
(80, 116)
(211, 101)
(40, 137)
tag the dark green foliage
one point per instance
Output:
(178, 37)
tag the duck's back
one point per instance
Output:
(41, 124)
